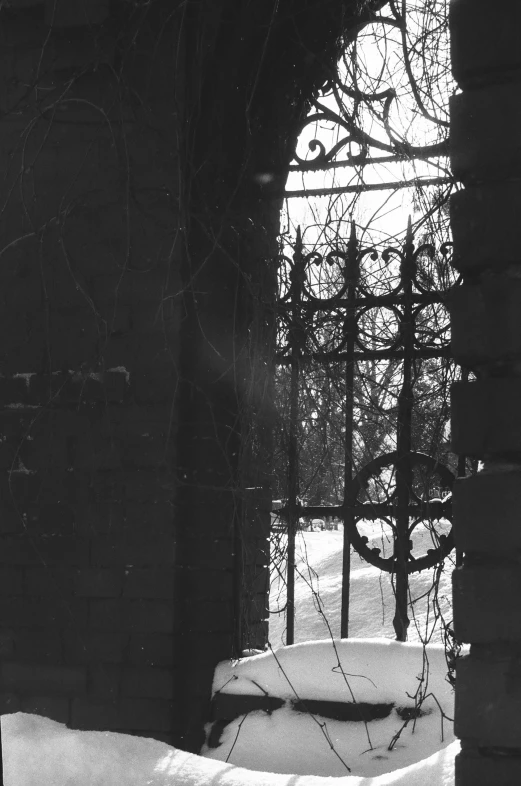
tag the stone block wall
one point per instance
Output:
(486, 157)
(90, 253)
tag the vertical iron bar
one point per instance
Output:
(296, 339)
(351, 271)
(404, 445)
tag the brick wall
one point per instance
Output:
(135, 343)
(486, 157)
(88, 367)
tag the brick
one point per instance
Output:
(47, 646)
(9, 702)
(475, 769)
(256, 635)
(125, 714)
(210, 616)
(35, 678)
(56, 519)
(473, 211)
(142, 485)
(486, 417)
(107, 387)
(257, 580)
(102, 518)
(131, 288)
(131, 682)
(105, 681)
(483, 47)
(488, 699)
(149, 583)
(205, 553)
(485, 136)
(107, 486)
(25, 3)
(7, 639)
(72, 345)
(75, 13)
(202, 648)
(11, 453)
(156, 389)
(10, 521)
(23, 550)
(139, 616)
(48, 581)
(38, 613)
(147, 683)
(154, 649)
(12, 390)
(485, 510)
(133, 551)
(92, 453)
(204, 510)
(149, 485)
(11, 580)
(52, 707)
(486, 320)
(142, 352)
(487, 603)
(148, 453)
(99, 582)
(258, 607)
(153, 518)
(87, 646)
(201, 585)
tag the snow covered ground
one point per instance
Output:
(319, 568)
(41, 752)
(286, 747)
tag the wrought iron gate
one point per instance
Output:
(413, 301)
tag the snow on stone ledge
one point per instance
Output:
(295, 738)
(377, 670)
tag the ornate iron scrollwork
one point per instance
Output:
(353, 305)
(421, 508)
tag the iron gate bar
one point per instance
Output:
(404, 444)
(351, 277)
(297, 341)
(296, 309)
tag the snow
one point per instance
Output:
(366, 670)
(40, 751)
(377, 670)
(319, 568)
(285, 747)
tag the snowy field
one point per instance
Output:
(288, 747)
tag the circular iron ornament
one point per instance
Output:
(418, 510)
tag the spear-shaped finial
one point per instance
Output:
(298, 241)
(352, 236)
(409, 237)
(351, 270)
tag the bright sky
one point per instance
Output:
(379, 48)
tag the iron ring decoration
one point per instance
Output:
(391, 342)
(439, 338)
(442, 509)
